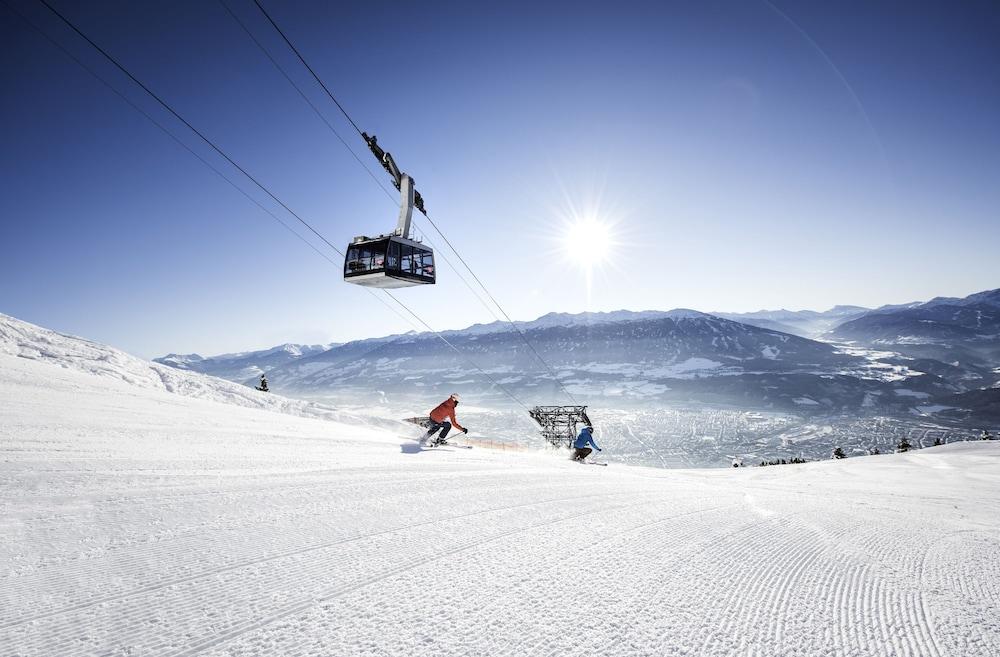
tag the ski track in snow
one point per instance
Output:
(138, 521)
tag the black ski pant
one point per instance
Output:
(581, 453)
(443, 427)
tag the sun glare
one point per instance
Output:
(588, 241)
(586, 238)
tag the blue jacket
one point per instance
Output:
(585, 438)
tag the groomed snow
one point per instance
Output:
(139, 521)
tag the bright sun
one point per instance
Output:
(588, 240)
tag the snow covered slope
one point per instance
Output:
(138, 521)
(24, 340)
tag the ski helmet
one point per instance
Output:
(455, 396)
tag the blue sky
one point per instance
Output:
(743, 155)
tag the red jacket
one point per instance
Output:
(446, 411)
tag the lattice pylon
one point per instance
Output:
(559, 423)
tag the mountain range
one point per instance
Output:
(246, 365)
(805, 323)
(940, 357)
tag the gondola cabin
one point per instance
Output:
(393, 260)
(388, 261)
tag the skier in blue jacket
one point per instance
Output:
(581, 449)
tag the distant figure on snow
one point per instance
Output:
(580, 445)
(263, 384)
(439, 421)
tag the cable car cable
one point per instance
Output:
(306, 64)
(424, 212)
(164, 129)
(185, 122)
(438, 252)
(194, 153)
(264, 188)
(333, 130)
(301, 93)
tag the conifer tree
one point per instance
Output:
(839, 454)
(904, 445)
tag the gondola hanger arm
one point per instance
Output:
(389, 164)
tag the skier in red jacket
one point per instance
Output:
(439, 421)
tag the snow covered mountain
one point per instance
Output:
(244, 366)
(895, 359)
(577, 319)
(621, 358)
(152, 511)
(962, 333)
(585, 351)
(926, 324)
(987, 297)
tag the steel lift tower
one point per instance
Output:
(559, 423)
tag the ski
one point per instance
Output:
(436, 445)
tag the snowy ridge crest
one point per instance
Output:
(21, 339)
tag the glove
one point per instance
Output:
(599, 449)
(464, 430)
